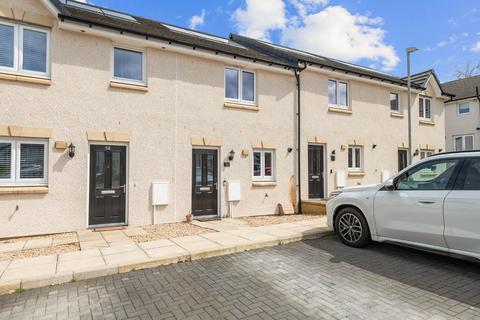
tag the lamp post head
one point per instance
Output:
(411, 49)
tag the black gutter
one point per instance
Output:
(147, 36)
(299, 141)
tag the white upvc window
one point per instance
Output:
(338, 94)
(240, 85)
(263, 165)
(394, 102)
(463, 108)
(425, 108)
(426, 153)
(129, 65)
(23, 162)
(24, 49)
(355, 158)
(463, 143)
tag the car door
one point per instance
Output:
(413, 210)
(462, 210)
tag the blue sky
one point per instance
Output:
(372, 33)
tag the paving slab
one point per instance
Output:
(156, 244)
(125, 258)
(254, 235)
(134, 231)
(227, 240)
(281, 233)
(121, 248)
(88, 245)
(65, 240)
(38, 243)
(77, 255)
(3, 265)
(196, 244)
(80, 264)
(33, 262)
(12, 246)
(168, 252)
(16, 273)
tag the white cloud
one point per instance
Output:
(475, 47)
(451, 40)
(337, 33)
(260, 17)
(199, 20)
(305, 7)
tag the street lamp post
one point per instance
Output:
(409, 86)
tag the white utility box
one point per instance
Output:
(340, 179)
(233, 191)
(159, 193)
(385, 175)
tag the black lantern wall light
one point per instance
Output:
(71, 150)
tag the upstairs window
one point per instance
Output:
(463, 143)
(23, 162)
(338, 93)
(463, 108)
(128, 65)
(354, 158)
(24, 49)
(263, 165)
(239, 85)
(394, 103)
(425, 108)
(426, 153)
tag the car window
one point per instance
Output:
(431, 175)
(472, 175)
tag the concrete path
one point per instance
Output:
(107, 253)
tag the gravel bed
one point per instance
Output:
(259, 221)
(169, 230)
(31, 253)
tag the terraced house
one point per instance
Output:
(113, 119)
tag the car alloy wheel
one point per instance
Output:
(350, 227)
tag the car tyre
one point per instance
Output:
(351, 228)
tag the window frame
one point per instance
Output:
(143, 51)
(424, 98)
(430, 153)
(240, 86)
(464, 113)
(354, 158)
(18, 30)
(337, 94)
(15, 164)
(262, 177)
(463, 136)
(398, 110)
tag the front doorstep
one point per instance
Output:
(120, 258)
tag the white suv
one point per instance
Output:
(433, 204)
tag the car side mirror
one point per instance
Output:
(390, 185)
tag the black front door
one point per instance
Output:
(107, 185)
(315, 172)
(204, 182)
(402, 159)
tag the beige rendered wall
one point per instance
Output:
(185, 99)
(370, 122)
(465, 124)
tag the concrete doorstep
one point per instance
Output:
(122, 256)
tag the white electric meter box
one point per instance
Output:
(233, 191)
(159, 193)
(340, 179)
(385, 175)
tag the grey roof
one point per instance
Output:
(421, 79)
(463, 88)
(162, 31)
(296, 56)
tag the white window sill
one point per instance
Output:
(129, 86)
(356, 173)
(240, 105)
(264, 183)
(338, 109)
(428, 122)
(23, 189)
(27, 78)
(396, 114)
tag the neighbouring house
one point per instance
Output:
(113, 119)
(462, 114)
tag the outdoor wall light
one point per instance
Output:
(231, 155)
(417, 152)
(71, 150)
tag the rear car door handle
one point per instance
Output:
(426, 202)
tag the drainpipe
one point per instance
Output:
(299, 141)
(478, 98)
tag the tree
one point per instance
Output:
(468, 71)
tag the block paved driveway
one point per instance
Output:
(318, 279)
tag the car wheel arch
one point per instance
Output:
(344, 206)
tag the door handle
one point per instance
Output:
(124, 187)
(426, 202)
